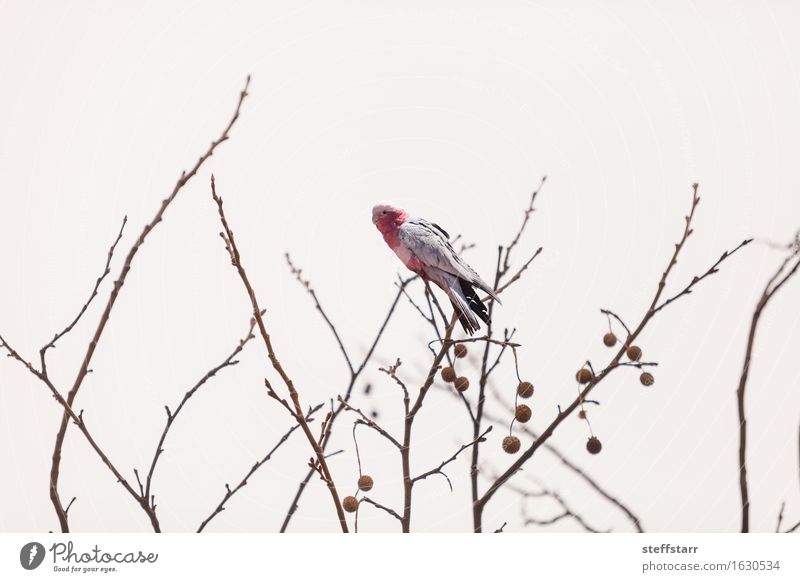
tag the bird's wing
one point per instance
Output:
(430, 244)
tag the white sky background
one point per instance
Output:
(454, 111)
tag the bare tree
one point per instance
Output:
(447, 361)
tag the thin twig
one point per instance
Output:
(298, 274)
(320, 463)
(786, 271)
(295, 504)
(439, 470)
(388, 510)
(92, 295)
(231, 492)
(173, 414)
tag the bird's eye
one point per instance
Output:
(383, 212)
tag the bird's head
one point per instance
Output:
(385, 214)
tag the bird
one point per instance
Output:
(424, 247)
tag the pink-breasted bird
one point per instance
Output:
(424, 247)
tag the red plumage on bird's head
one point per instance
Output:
(387, 217)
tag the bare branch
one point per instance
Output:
(172, 415)
(365, 420)
(231, 492)
(310, 290)
(597, 378)
(785, 271)
(353, 379)
(92, 295)
(438, 470)
(388, 510)
(321, 463)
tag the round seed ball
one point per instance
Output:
(593, 445)
(584, 376)
(365, 482)
(525, 389)
(460, 350)
(511, 444)
(461, 384)
(449, 374)
(350, 504)
(634, 353)
(582, 414)
(610, 340)
(523, 413)
(647, 379)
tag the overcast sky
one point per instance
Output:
(454, 110)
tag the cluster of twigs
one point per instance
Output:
(142, 492)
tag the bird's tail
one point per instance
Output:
(467, 304)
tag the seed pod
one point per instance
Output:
(593, 445)
(350, 504)
(525, 389)
(448, 374)
(511, 444)
(582, 414)
(610, 340)
(460, 350)
(365, 482)
(523, 413)
(461, 384)
(634, 353)
(647, 379)
(584, 376)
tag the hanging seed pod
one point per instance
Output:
(584, 376)
(365, 483)
(634, 353)
(523, 413)
(350, 504)
(593, 445)
(461, 383)
(511, 444)
(525, 389)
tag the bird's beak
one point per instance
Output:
(374, 219)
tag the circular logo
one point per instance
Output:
(31, 555)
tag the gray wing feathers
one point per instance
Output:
(430, 246)
(449, 283)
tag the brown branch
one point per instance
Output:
(307, 284)
(439, 470)
(172, 415)
(410, 415)
(527, 215)
(367, 421)
(78, 420)
(480, 504)
(786, 270)
(570, 465)
(518, 274)
(321, 463)
(566, 511)
(87, 359)
(695, 280)
(258, 464)
(353, 379)
(388, 510)
(92, 295)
